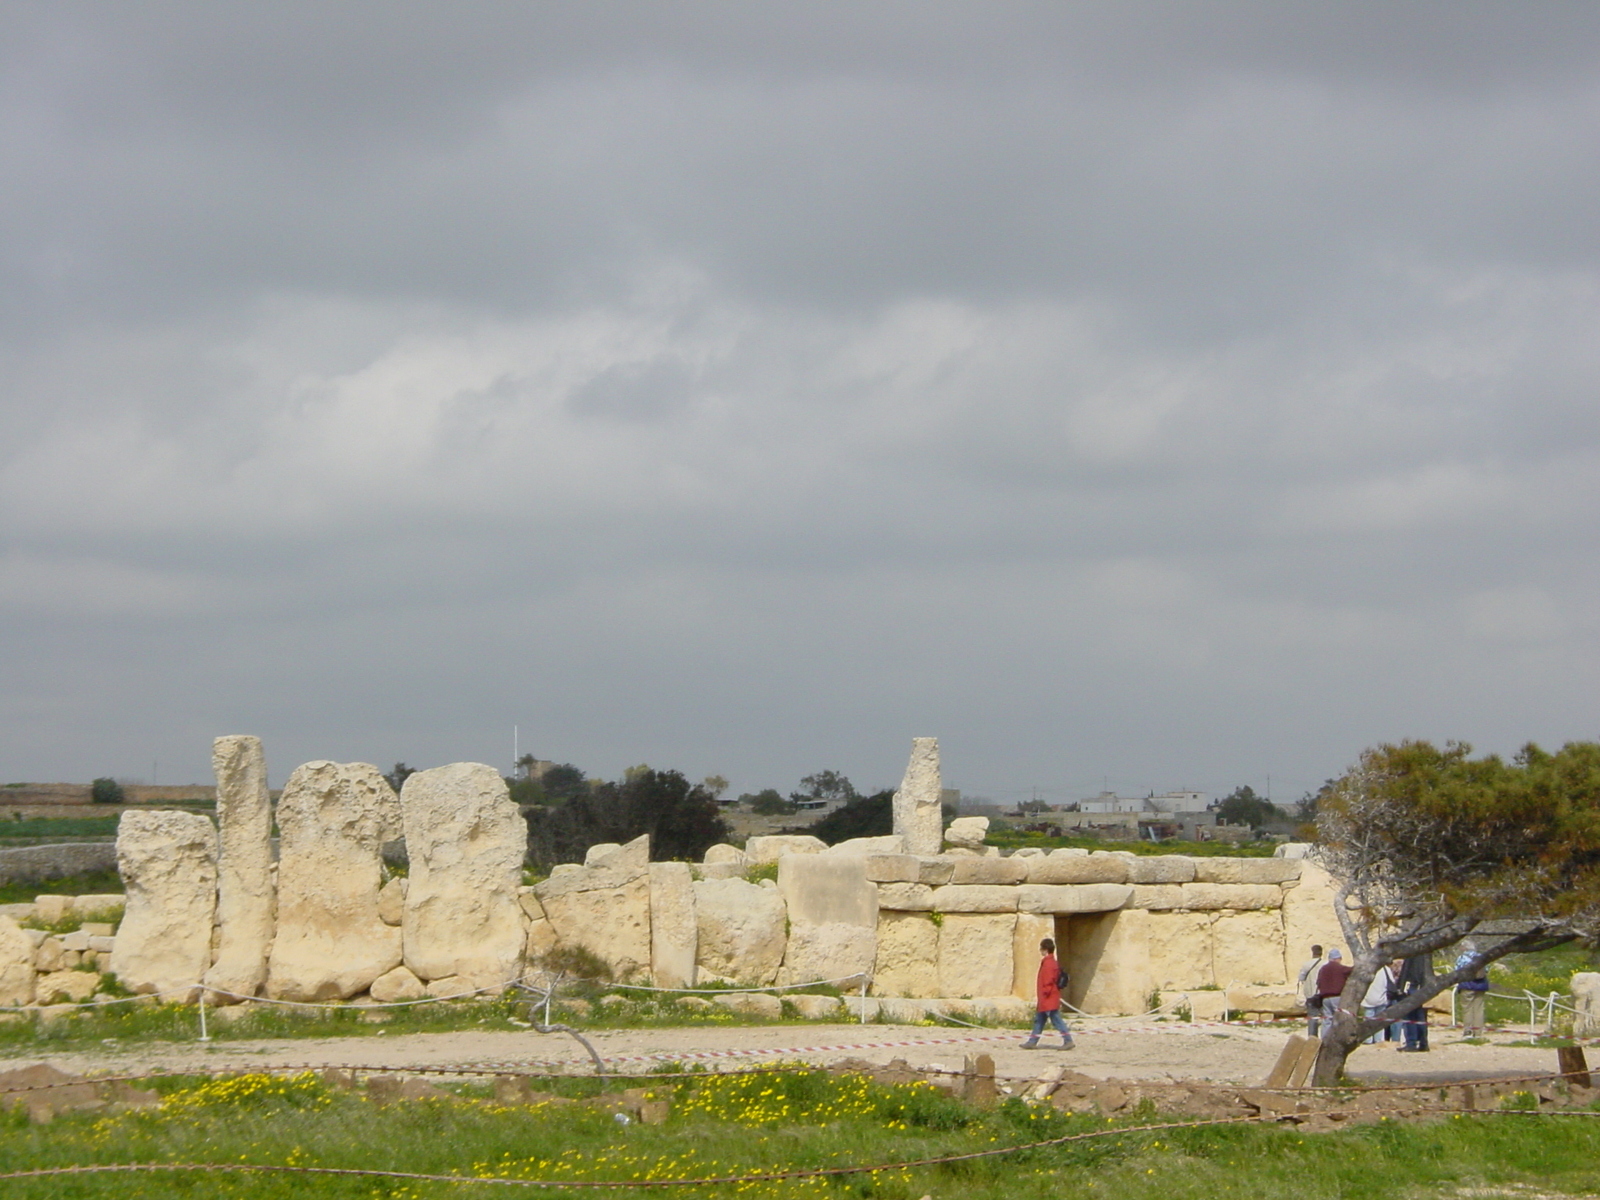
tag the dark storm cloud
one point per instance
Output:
(1185, 392)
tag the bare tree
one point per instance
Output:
(1429, 845)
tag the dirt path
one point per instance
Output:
(1106, 1049)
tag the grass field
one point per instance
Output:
(99, 883)
(1014, 839)
(741, 1125)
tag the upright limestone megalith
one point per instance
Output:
(466, 841)
(168, 862)
(331, 943)
(245, 891)
(917, 816)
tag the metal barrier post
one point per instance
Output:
(204, 1036)
(863, 998)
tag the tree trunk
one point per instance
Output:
(1341, 1034)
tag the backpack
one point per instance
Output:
(1061, 978)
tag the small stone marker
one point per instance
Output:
(1572, 1065)
(1306, 1063)
(977, 1080)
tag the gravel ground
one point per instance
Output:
(1130, 1049)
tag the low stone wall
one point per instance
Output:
(30, 864)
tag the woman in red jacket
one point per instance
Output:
(1049, 993)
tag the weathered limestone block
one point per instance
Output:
(752, 1004)
(1108, 961)
(65, 987)
(721, 870)
(905, 897)
(54, 909)
(893, 868)
(76, 940)
(1072, 897)
(772, 847)
(976, 957)
(103, 944)
(673, 932)
(1160, 868)
(816, 1008)
(974, 898)
(1028, 852)
(829, 950)
(824, 888)
(1246, 870)
(888, 843)
(392, 901)
(49, 955)
(1178, 949)
(100, 905)
(16, 964)
(246, 883)
(908, 955)
(448, 988)
(1203, 1005)
(612, 867)
(1308, 915)
(1030, 930)
(1211, 896)
(1098, 867)
(540, 941)
(1158, 897)
(529, 900)
(1586, 1000)
(168, 863)
(917, 815)
(722, 853)
(935, 870)
(466, 840)
(967, 832)
(330, 942)
(833, 917)
(1274, 1002)
(740, 930)
(1001, 871)
(613, 923)
(1247, 949)
(396, 985)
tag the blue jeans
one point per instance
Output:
(1054, 1017)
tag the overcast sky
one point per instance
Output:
(1130, 395)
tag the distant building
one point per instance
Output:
(1166, 802)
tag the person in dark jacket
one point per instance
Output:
(1414, 976)
(1048, 991)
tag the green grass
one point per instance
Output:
(1009, 839)
(50, 827)
(98, 883)
(771, 1121)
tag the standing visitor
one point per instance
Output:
(1048, 990)
(1472, 992)
(1330, 982)
(1308, 989)
(1414, 976)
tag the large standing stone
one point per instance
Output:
(1309, 915)
(1586, 1000)
(331, 942)
(833, 917)
(673, 933)
(917, 816)
(16, 964)
(1247, 949)
(908, 955)
(976, 954)
(245, 889)
(1179, 948)
(604, 907)
(168, 862)
(1108, 956)
(466, 840)
(741, 930)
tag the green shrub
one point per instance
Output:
(106, 791)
